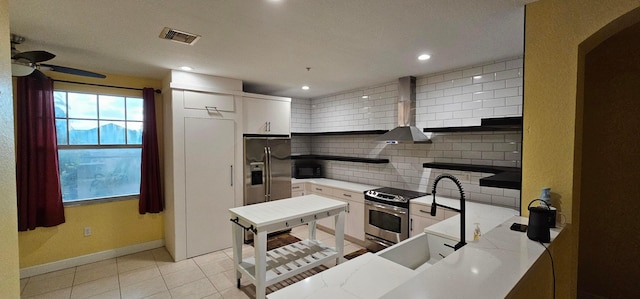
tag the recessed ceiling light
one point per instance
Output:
(305, 87)
(365, 97)
(186, 68)
(424, 57)
(477, 77)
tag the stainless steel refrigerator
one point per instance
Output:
(267, 170)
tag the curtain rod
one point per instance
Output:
(102, 85)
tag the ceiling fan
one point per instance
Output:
(25, 63)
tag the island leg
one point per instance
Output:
(260, 244)
(238, 239)
(312, 230)
(339, 231)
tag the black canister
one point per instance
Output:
(539, 219)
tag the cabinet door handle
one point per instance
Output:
(346, 195)
(348, 208)
(269, 126)
(318, 189)
(296, 187)
(423, 211)
(411, 224)
(210, 108)
(231, 175)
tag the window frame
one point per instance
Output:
(67, 146)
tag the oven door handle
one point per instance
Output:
(387, 208)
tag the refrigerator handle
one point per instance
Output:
(231, 175)
(267, 183)
(269, 172)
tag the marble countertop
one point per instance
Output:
(489, 267)
(363, 277)
(487, 216)
(355, 187)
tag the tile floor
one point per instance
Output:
(153, 274)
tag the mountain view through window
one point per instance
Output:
(99, 145)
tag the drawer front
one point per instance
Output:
(208, 101)
(425, 211)
(348, 195)
(322, 190)
(297, 187)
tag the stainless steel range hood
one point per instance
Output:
(406, 132)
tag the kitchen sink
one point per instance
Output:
(414, 252)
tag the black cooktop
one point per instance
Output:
(408, 194)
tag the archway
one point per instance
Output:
(609, 228)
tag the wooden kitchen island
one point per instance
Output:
(267, 268)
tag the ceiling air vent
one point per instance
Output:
(179, 36)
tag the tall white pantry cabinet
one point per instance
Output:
(203, 152)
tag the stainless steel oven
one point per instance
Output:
(386, 216)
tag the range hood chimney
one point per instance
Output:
(406, 132)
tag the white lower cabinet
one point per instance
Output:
(209, 158)
(297, 189)
(354, 222)
(420, 218)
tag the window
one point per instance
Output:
(99, 145)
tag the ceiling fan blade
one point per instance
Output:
(34, 56)
(72, 71)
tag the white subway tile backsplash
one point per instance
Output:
(506, 111)
(507, 92)
(472, 105)
(443, 100)
(495, 67)
(472, 88)
(483, 78)
(483, 113)
(494, 85)
(489, 103)
(452, 75)
(472, 72)
(514, 101)
(508, 74)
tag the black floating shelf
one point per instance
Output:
(335, 133)
(340, 158)
(487, 125)
(504, 177)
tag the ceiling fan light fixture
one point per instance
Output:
(19, 70)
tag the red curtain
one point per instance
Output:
(38, 176)
(151, 200)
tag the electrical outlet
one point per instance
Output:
(87, 231)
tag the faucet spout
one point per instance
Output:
(434, 205)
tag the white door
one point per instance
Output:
(209, 156)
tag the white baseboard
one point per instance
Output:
(89, 258)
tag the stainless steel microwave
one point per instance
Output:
(307, 171)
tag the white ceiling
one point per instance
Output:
(269, 44)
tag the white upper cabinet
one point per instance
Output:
(267, 115)
(208, 101)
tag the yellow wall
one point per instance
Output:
(9, 274)
(552, 117)
(114, 224)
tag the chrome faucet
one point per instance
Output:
(434, 206)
